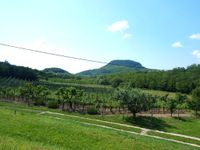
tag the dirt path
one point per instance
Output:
(144, 131)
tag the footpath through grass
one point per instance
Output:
(185, 125)
(28, 130)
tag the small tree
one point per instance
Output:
(41, 93)
(180, 102)
(72, 95)
(194, 103)
(27, 92)
(171, 105)
(63, 96)
(151, 100)
(134, 99)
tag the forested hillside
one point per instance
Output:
(115, 67)
(25, 73)
(177, 80)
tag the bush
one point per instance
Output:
(116, 82)
(39, 103)
(92, 110)
(52, 104)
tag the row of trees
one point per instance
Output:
(122, 100)
(137, 101)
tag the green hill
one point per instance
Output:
(56, 71)
(114, 67)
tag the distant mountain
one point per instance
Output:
(55, 70)
(114, 67)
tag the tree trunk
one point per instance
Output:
(83, 108)
(111, 110)
(74, 109)
(119, 110)
(70, 105)
(134, 114)
(196, 113)
(63, 106)
(178, 113)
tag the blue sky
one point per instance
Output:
(159, 34)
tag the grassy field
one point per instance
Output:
(185, 125)
(28, 130)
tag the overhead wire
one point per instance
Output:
(54, 54)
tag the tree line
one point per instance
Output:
(182, 80)
(122, 100)
(7, 70)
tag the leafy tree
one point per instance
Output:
(27, 92)
(162, 102)
(194, 103)
(63, 96)
(116, 82)
(134, 99)
(180, 102)
(41, 93)
(72, 95)
(171, 105)
(151, 102)
(78, 98)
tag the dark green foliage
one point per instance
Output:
(33, 94)
(181, 102)
(11, 82)
(52, 104)
(39, 102)
(176, 80)
(7, 70)
(194, 103)
(55, 70)
(135, 100)
(116, 82)
(92, 110)
(171, 105)
(103, 81)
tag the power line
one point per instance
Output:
(54, 54)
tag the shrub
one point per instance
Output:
(92, 110)
(52, 104)
(39, 103)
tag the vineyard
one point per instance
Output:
(11, 82)
(95, 99)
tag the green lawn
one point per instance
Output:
(183, 139)
(186, 125)
(28, 130)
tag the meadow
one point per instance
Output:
(22, 127)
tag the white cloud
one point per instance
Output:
(118, 26)
(177, 44)
(126, 35)
(195, 36)
(196, 53)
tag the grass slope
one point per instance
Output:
(186, 125)
(28, 130)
